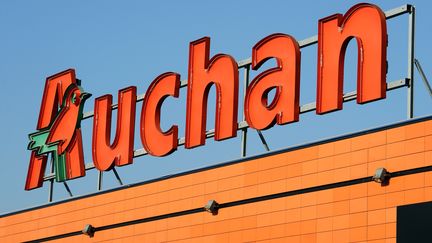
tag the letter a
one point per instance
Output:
(285, 78)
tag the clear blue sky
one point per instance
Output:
(115, 44)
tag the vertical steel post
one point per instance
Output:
(100, 179)
(244, 130)
(51, 185)
(411, 29)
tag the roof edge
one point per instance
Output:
(231, 162)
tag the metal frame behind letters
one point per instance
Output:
(246, 65)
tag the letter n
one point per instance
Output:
(366, 23)
(221, 70)
(120, 152)
(55, 88)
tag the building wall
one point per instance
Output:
(327, 196)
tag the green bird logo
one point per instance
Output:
(56, 138)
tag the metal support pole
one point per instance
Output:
(100, 180)
(51, 185)
(117, 176)
(264, 142)
(422, 74)
(411, 29)
(67, 189)
(244, 130)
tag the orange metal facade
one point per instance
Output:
(356, 212)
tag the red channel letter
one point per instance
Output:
(221, 70)
(120, 152)
(155, 141)
(366, 23)
(55, 88)
(285, 78)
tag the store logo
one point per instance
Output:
(363, 22)
(59, 132)
(61, 135)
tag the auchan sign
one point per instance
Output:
(58, 128)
